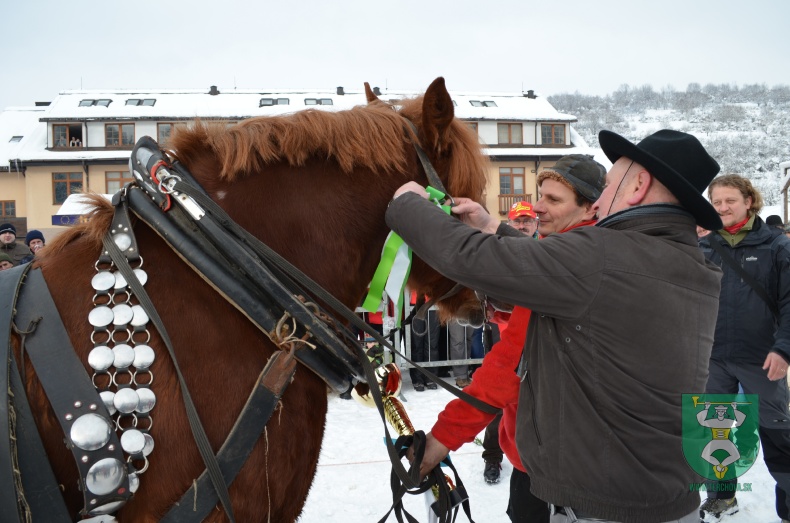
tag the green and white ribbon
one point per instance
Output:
(393, 270)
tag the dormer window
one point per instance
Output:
(318, 101)
(146, 102)
(267, 102)
(487, 103)
(102, 102)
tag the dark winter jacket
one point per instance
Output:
(17, 251)
(622, 326)
(746, 330)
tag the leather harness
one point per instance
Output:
(252, 277)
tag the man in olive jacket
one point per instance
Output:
(622, 325)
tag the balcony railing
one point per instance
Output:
(506, 201)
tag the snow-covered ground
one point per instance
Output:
(352, 482)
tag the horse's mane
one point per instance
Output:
(365, 136)
(368, 136)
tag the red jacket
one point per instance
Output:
(496, 383)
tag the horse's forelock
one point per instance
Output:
(466, 165)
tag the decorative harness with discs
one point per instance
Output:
(107, 418)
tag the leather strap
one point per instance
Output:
(66, 383)
(11, 507)
(199, 500)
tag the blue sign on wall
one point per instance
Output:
(68, 219)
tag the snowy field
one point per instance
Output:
(352, 482)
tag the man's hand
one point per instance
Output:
(474, 215)
(434, 453)
(411, 187)
(776, 366)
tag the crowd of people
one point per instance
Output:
(623, 301)
(13, 253)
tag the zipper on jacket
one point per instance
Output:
(534, 408)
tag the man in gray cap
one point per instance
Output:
(622, 326)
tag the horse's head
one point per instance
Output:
(455, 152)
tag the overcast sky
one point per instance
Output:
(552, 47)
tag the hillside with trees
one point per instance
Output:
(746, 129)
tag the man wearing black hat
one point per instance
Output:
(622, 326)
(16, 251)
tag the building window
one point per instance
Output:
(511, 180)
(163, 132)
(553, 134)
(15, 139)
(147, 102)
(510, 133)
(114, 180)
(266, 102)
(7, 209)
(487, 103)
(318, 101)
(64, 184)
(103, 102)
(67, 135)
(118, 134)
(472, 126)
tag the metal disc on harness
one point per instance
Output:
(100, 316)
(139, 316)
(147, 400)
(143, 357)
(122, 314)
(126, 400)
(105, 476)
(103, 281)
(90, 432)
(101, 358)
(123, 356)
(133, 442)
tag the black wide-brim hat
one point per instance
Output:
(679, 161)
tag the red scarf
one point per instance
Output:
(733, 229)
(580, 224)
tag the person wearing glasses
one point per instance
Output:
(522, 218)
(624, 314)
(567, 193)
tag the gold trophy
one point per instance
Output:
(388, 377)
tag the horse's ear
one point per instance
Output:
(437, 113)
(369, 94)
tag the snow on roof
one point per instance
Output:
(243, 103)
(17, 127)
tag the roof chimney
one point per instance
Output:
(377, 91)
(340, 91)
(531, 94)
(213, 91)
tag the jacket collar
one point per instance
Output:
(672, 222)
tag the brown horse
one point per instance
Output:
(314, 186)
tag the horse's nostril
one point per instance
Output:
(475, 320)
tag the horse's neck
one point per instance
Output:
(328, 223)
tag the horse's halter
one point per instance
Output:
(435, 182)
